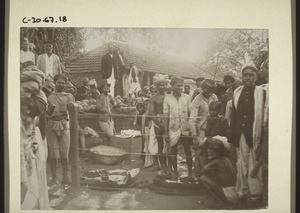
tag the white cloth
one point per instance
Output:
(230, 194)
(149, 159)
(131, 86)
(112, 81)
(228, 111)
(245, 164)
(37, 193)
(153, 145)
(27, 56)
(174, 137)
(49, 65)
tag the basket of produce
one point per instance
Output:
(108, 154)
(87, 105)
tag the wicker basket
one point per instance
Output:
(108, 154)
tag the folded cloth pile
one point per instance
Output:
(90, 132)
(118, 178)
(130, 133)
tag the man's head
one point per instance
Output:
(228, 80)
(31, 47)
(146, 89)
(48, 47)
(70, 88)
(104, 88)
(85, 81)
(60, 82)
(208, 87)
(217, 147)
(25, 44)
(161, 85)
(177, 84)
(131, 65)
(249, 75)
(215, 108)
(199, 81)
(93, 84)
(187, 89)
(110, 48)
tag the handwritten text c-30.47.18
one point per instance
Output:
(47, 19)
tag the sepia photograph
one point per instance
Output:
(141, 118)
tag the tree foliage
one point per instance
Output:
(67, 42)
(224, 51)
(231, 49)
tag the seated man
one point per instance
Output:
(84, 91)
(218, 176)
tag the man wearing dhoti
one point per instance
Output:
(58, 129)
(248, 113)
(176, 111)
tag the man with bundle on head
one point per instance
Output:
(248, 115)
(93, 89)
(176, 111)
(34, 191)
(198, 117)
(49, 62)
(58, 131)
(156, 111)
(83, 91)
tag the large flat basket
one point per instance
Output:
(108, 154)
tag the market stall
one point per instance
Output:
(83, 114)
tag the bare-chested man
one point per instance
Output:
(156, 111)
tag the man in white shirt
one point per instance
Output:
(176, 108)
(49, 62)
(25, 54)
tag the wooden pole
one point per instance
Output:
(74, 145)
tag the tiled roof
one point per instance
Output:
(146, 60)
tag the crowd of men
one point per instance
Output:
(226, 127)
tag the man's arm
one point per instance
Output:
(39, 62)
(103, 65)
(112, 101)
(100, 106)
(166, 110)
(211, 166)
(193, 115)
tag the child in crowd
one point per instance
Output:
(215, 125)
(218, 125)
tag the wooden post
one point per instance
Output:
(74, 145)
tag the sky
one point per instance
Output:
(195, 42)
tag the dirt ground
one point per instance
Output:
(65, 198)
